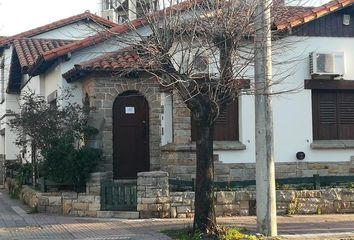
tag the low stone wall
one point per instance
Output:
(67, 203)
(154, 200)
(64, 203)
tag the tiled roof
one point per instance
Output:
(29, 49)
(312, 14)
(283, 17)
(102, 36)
(123, 60)
(58, 24)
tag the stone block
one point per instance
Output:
(105, 214)
(163, 200)
(244, 205)
(80, 206)
(183, 209)
(285, 196)
(341, 206)
(242, 195)
(67, 207)
(155, 174)
(69, 195)
(86, 198)
(173, 212)
(54, 201)
(97, 199)
(94, 207)
(225, 197)
(348, 195)
(149, 200)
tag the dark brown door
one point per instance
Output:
(130, 136)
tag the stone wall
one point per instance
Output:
(153, 194)
(179, 161)
(102, 91)
(64, 203)
(154, 200)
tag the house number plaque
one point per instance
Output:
(129, 110)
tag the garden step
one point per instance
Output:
(118, 214)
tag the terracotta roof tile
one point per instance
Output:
(284, 17)
(311, 14)
(29, 49)
(123, 60)
(58, 24)
(102, 36)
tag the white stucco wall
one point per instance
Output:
(75, 31)
(292, 111)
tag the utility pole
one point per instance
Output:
(265, 169)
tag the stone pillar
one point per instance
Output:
(93, 186)
(153, 195)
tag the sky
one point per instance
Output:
(21, 15)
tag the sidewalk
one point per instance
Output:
(15, 223)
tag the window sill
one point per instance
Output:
(218, 146)
(332, 144)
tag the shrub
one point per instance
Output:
(63, 163)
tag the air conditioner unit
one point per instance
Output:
(327, 63)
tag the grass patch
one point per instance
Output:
(224, 233)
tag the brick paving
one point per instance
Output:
(15, 223)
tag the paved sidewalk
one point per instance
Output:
(15, 223)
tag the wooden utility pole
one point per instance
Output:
(265, 173)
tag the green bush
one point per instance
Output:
(63, 163)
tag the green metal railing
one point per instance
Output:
(118, 196)
(317, 181)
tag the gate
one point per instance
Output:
(118, 195)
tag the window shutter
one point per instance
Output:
(226, 126)
(324, 115)
(346, 115)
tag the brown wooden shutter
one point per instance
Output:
(324, 115)
(346, 114)
(226, 126)
(333, 114)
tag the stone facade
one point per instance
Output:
(102, 91)
(178, 158)
(180, 162)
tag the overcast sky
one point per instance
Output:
(20, 15)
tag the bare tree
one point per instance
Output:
(204, 51)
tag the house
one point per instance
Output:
(143, 126)
(19, 51)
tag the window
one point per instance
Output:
(226, 126)
(333, 114)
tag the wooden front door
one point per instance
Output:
(130, 136)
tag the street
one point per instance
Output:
(15, 223)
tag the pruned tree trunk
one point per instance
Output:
(204, 218)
